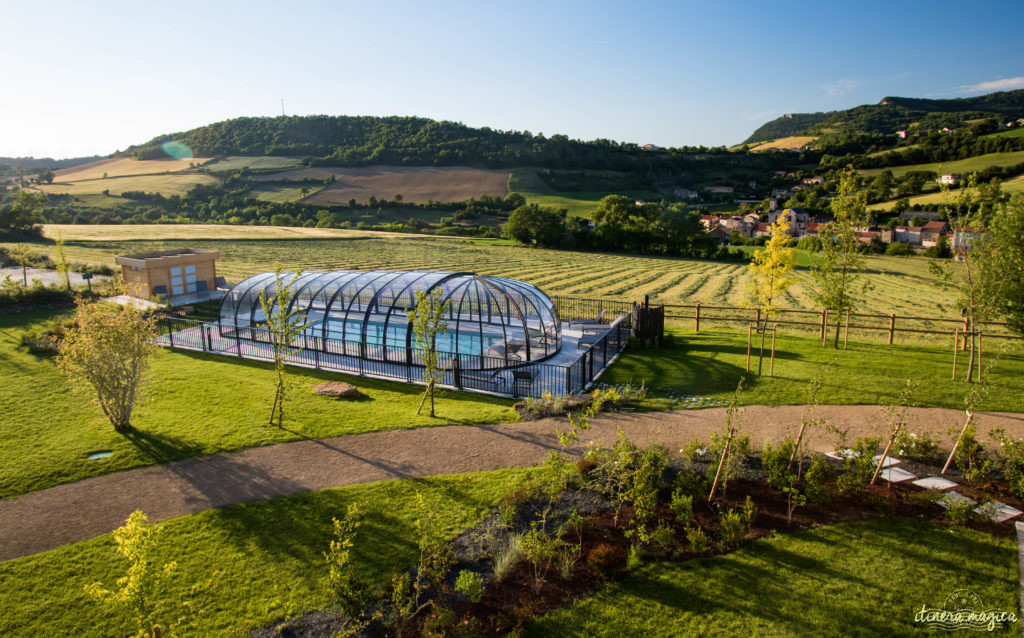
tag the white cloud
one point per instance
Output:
(1006, 84)
(840, 87)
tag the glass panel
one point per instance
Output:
(190, 268)
(176, 270)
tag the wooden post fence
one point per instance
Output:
(697, 319)
(892, 327)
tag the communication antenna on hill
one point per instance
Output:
(282, 106)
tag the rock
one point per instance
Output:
(338, 390)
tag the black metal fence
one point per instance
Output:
(460, 371)
(573, 308)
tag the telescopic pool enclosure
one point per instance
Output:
(503, 336)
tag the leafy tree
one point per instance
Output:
(109, 350)
(530, 223)
(837, 275)
(62, 262)
(142, 591)
(1008, 236)
(21, 254)
(427, 320)
(23, 215)
(770, 270)
(346, 590)
(283, 325)
(979, 282)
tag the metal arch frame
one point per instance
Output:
(486, 290)
(354, 275)
(251, 282)
(391, 307)
(372, 276)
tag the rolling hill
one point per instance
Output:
(895, 113)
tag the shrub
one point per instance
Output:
(917, 447)
(1010, 460)
(749, 512)
(606, 557)
(960, 511)
(663, 536)
(691, 483)
(46, 338)
(818, 481)
(970, 457)
(634, 559)
(775, 463)
(731, 526)
(699, 541)
(584, 465)
(471, 584)
(858, 468)
(682, 505)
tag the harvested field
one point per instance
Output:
(414, 183)
(165, 184)
(792, 143)
(121, 166)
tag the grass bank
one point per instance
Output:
(858, 579)
(193, 405)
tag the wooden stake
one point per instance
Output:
(970, 415)
(892, 326)
(771, 370)
(749, 337)
(721, 463)
(956, 349)
(888, 446)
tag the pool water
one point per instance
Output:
(468, 343)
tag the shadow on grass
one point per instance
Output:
(161, 448)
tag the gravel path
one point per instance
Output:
(77, 511)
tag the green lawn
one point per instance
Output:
(710, 363)
(963, 167)
(270, 555)
(579, 204)
(933, 200)
(195, 404)
(864, 579)
(282, 193)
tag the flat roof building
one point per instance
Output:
(170, 273)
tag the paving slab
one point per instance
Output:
(935, 483)
(998, 511)
(896, 475)
(886, 462)
(950, 498)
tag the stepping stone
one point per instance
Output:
(841, 455)
(886, 462)
(998, 512)
(950, 498)
(896, 475)
(935, 483)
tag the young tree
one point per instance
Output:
(143, 591)
(1008, 235)
(837, 275)
(62, 262)
(109, 350)
(21, 254)
(427, 320)
(283, 325)
(978, 279)
(770, 269)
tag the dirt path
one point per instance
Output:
(77, 511)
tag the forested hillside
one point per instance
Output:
(396, 141)
(786, 125)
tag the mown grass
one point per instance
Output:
(270, 555)
(254, 163)
(163, 183)
(963, 167)
(526, 182)
(901, 285)
(711, 362)
(193, 405)
(282, 193)
(863, 579)
(939, 198)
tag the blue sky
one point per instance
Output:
(83, 78)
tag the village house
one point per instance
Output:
(930, 215)
(901, 134)
(709, 221)
(963, 239)
(866, 236)
(908, 234)
(812, 229)
(797, 218)
(686, 193)
(950, 179)
(763, 230)
(719, 234)
(170, 273)
(813, 180)
(931, 232)
(719, 189)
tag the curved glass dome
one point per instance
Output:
(492, 321)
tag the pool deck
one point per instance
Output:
(549, 376)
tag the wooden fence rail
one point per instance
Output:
(859, 322)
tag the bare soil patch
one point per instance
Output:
(416, 184)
